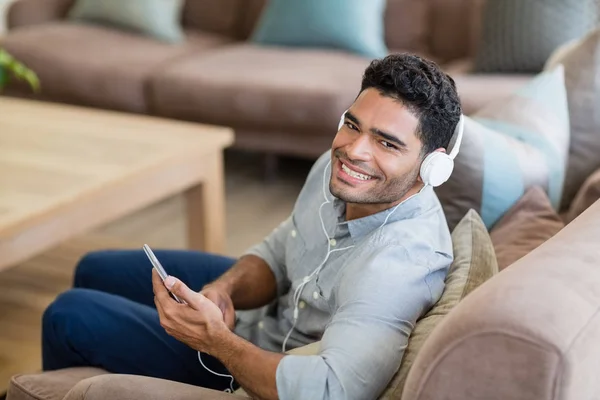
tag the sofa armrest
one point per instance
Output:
(531, 332)
(121, 386)
(32, 12)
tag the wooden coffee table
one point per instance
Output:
(66, 170)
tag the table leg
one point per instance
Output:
(205, 205)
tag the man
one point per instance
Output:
(363, 255)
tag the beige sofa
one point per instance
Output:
(531, 332)
(278, 100)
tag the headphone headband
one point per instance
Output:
(458, 132)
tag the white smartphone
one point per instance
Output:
(159, 268)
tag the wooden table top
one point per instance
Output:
(52, 155)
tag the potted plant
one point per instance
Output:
(11, 68)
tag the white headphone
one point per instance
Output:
(437, 167)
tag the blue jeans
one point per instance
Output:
(108, 320)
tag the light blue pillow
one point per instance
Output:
(156, 18)
(509, 146)
(350, 25)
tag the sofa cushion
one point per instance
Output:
(528, 224)
(97, 66)
(520, 36)
(261, 88)
(581, 61)
(51, 385)
(156, 18)
(508, 146)
(474, 263)
(329, 24)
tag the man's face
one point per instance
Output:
(376, 155)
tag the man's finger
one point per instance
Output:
(160, 292)
(181, 290)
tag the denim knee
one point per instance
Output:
(64, 309)
(89, 269)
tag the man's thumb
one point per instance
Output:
(180, 289)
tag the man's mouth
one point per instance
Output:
(354, 174)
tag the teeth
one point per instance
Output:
(355, 174)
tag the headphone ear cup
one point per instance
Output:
(436, 168)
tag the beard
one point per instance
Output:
(377, 192)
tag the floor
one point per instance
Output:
(254, 207)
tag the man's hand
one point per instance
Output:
(199, 323)
(222, 299)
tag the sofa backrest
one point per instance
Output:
(215, 16)
(454, 28)
(442, 29)
(530, 332)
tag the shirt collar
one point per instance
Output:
(360, 227)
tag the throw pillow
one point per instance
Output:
(508, 146)
(581, 61)
(157, 18)
(527, 225)
(350, 25)
(474, 263)
(520, 36)
(586, 196)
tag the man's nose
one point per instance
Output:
(360, 148)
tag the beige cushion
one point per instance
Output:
(528, 224)
(587, 195)
(474, 263)
(261, 88)
(582, 67)
(52, 385)
(508, 146)
(97, 66)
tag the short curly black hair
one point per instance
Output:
(425, 89)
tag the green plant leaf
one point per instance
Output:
(9, 66)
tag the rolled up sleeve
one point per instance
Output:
(380, 298)
(272, 250)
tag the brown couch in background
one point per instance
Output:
(279, 101)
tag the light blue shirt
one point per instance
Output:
(365, 301)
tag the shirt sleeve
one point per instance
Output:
(380, 298)
(272, 251)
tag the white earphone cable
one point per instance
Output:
(230, 390)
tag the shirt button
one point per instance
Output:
(261, 325)
(316, 295)
(294, 233)
(332, 242)
(302, 304)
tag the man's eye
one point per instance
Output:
(351, 126)
(388, 145)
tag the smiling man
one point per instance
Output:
(361, 258)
